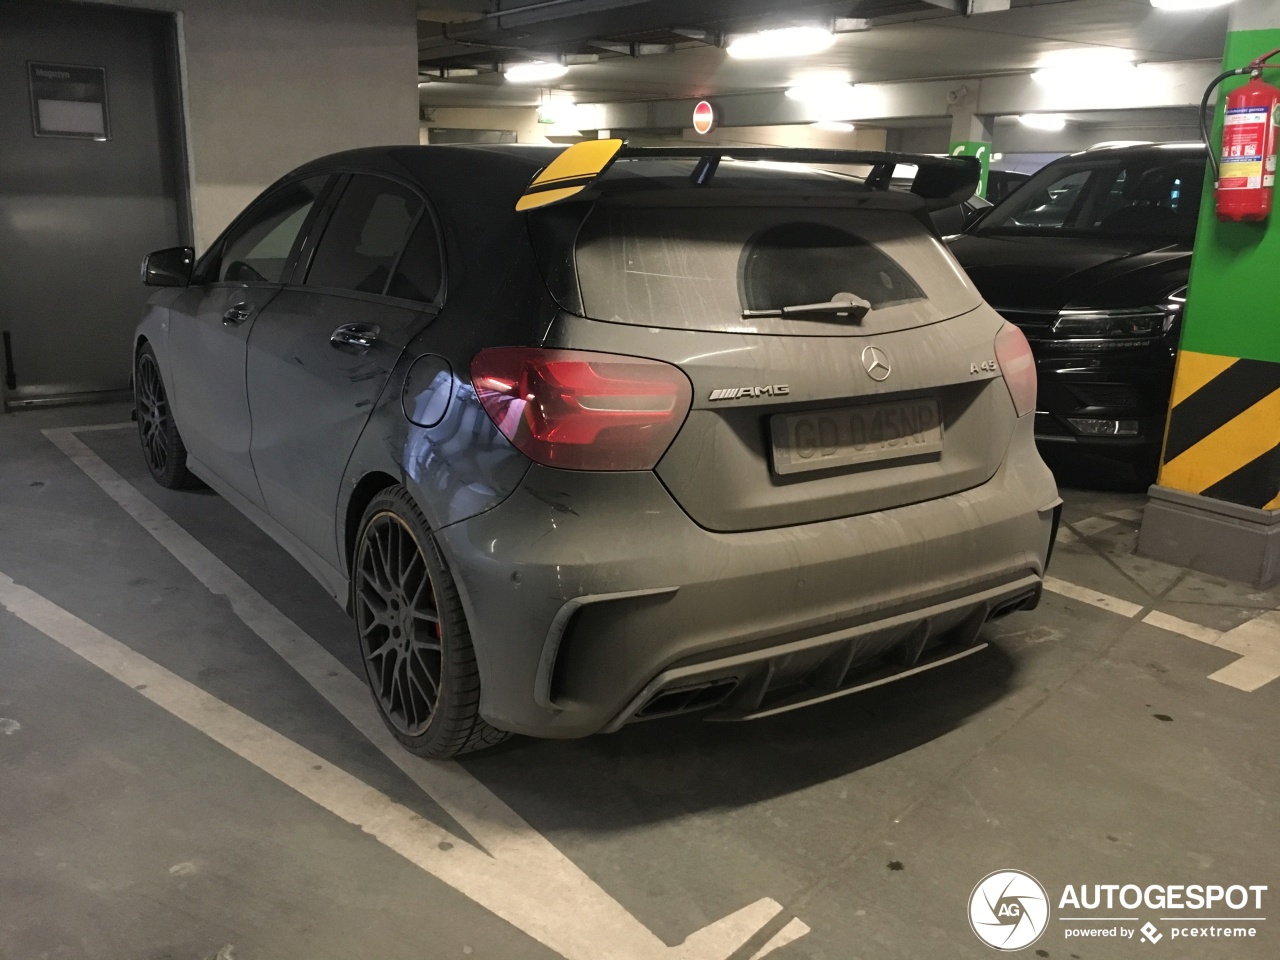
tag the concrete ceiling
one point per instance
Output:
(907, 41)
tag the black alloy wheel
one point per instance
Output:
(162, 446)
(413, 634)
(399, 625)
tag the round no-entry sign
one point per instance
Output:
(704, 117)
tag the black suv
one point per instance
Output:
(1091, 258)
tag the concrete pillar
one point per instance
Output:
(1216, 506)
(269, 86)
(972, 135)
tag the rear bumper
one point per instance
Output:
(589, 595)
(779, 679)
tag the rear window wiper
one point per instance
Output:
(844, 306)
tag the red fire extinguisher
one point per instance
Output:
(1246, 170)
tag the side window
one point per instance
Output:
(365, 236)
(1052, 206)
(259, 249)
(419, 274)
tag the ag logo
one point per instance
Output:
(1008, 910)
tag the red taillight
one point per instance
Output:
(582, 411)
(1018, 366)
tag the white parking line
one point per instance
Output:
(1185, 628)
(487, 881)
(1257, 642)
(794, 930)
(558, 904)
(1092, 597)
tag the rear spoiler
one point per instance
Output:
(940, 181)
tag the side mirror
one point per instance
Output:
(168, 268)
(975, 217)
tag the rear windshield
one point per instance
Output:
(701, 268)
(1150, 195)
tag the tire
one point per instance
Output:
(162, 446)
(413, 634)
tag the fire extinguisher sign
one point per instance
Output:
(1244, 138)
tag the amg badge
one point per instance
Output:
(739, 393)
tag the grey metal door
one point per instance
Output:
(91, 178)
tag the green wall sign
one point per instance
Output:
(974, 148)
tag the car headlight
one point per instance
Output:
(1174, 304)
(1140, 323)
(1125, 327)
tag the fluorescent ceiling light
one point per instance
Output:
(1088, 67)
(783, 42)
(556, 109)
(833, 126)
(1051, 122)
(1181, 5)
(535, 72)
(825, 100)
(820, 91)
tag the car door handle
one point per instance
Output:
(362, 336)
(238, 314)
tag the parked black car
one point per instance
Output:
(1091, 259)
(1002, 183)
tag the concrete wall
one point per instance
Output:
(780, 135)
(270, 85)
(792, 135)
(523, 120)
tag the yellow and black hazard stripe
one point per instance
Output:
(570, 173)
(1223, 439)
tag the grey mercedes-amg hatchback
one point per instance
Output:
(600, 435)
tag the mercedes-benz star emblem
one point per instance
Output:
(876, 362)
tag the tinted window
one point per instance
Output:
(365, 236)
(259, 248)
(1156, 196)
(418, 275)
(804, 262)
(700, 268)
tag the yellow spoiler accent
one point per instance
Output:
(570, 173)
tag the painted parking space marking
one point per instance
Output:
(1092, 597)
(791, 932)
(528, 882)
(472, 872)
(1257, 642)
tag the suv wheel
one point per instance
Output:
(413, 634)
(162, 445)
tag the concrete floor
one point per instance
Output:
(1086, 746)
